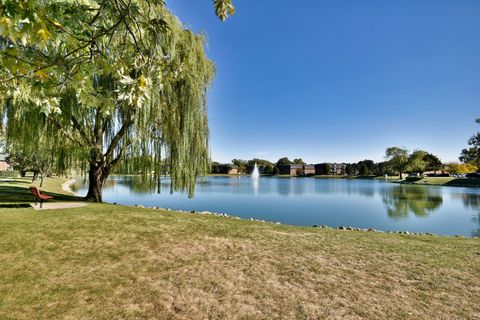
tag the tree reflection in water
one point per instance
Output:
(472, 201)
(140, 184)
(401, 200)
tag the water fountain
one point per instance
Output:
(255, 173)
(255, 176)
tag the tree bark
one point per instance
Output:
(97, 175)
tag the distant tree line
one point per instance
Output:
(470, 157)
(398, 161)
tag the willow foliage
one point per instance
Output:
(101, 82)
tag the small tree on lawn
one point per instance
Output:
(417, 162)
(398, 159)
(472, 154)
(433, 162)
(461, 168)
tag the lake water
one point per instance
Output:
(311, 201)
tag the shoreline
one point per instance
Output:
(143, 256)
(71, 181)
(452, 182)
(67, 185)
(342, 228)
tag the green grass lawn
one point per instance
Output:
(114, 262)
(16, 192)
(450, 181)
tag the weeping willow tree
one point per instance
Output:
(98, 83)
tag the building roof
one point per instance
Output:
(296, 166)
(331, 164)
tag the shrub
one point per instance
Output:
(413, 178)
(473, 175)
(461, 168)
(9, 174)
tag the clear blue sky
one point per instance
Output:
(340, 80)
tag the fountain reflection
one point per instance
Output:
(400, 201)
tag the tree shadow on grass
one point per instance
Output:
(14, 205)
(10, 182)
(11, 194)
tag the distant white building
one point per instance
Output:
(4, 166)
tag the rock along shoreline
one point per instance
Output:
(343, 228)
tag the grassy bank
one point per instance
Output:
(15, 192)
(449, 181)
(113, 262)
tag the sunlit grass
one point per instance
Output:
(107, 261)
(450, 181)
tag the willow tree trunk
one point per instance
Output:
(97, 175)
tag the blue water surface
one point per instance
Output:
(364, 203)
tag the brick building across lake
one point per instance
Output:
(335, 168)
(3, 162)
(292, 169)
(225, 169)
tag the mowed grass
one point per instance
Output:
(114, 262)
(15, 192)
(450, 181)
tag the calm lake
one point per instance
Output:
(312, 201)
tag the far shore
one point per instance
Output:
(428, 181)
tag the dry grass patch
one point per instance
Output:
(113, 262)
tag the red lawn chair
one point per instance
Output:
(39, 196)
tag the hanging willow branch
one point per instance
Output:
(131, 88)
